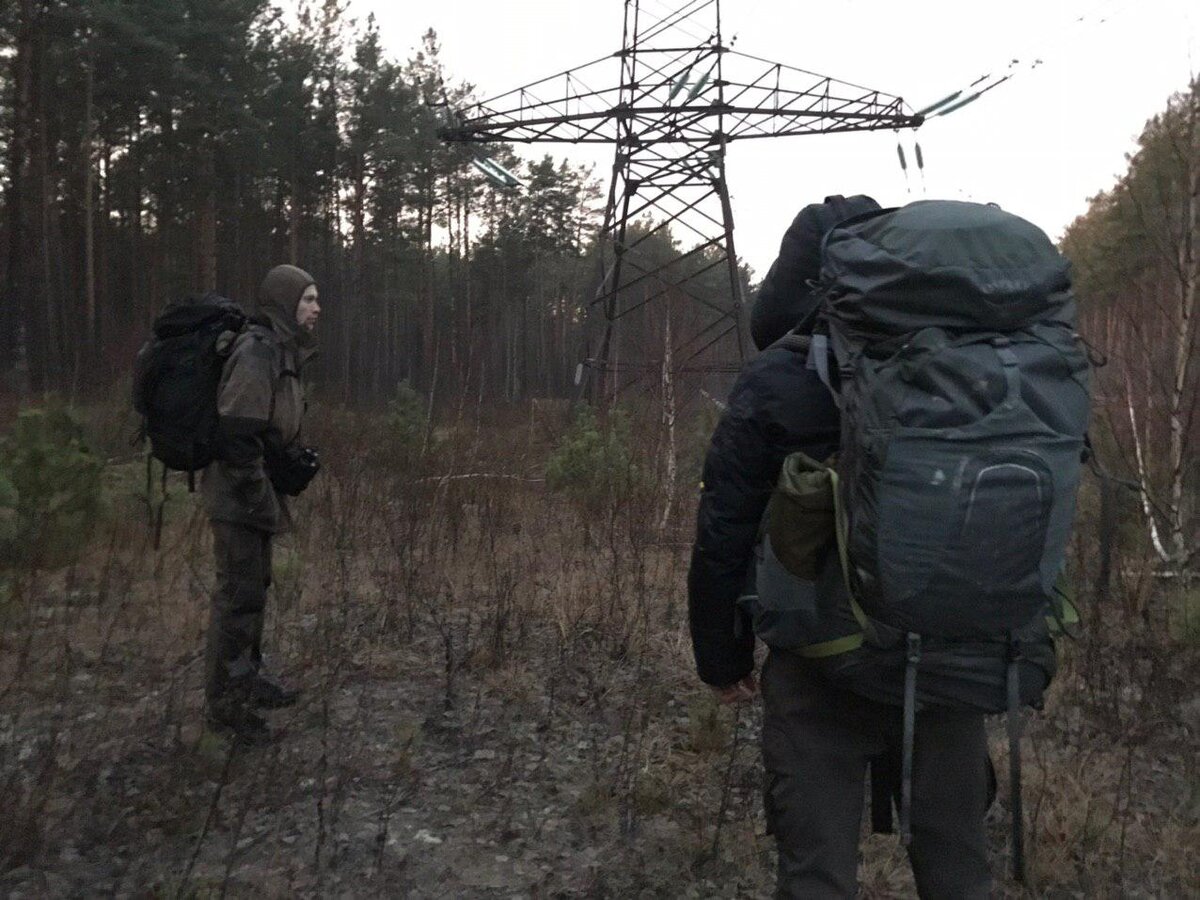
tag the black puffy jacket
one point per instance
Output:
(778, 406)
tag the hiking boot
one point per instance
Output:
(232, 718)
(266, 693)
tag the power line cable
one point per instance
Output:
(969, 93)
(665, 13)
(982, 84)
(675, 19)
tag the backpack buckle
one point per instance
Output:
(914, 648)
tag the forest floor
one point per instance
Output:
(499, 701)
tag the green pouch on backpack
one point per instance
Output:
(800, 603)
(800, 516)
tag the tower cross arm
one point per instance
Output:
(770, 99)
(748, 98)
(575, 112)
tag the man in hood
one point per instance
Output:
(776, 408)
(818, 738)
(261, 404)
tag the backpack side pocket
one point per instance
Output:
(799, 521)
(798, 605)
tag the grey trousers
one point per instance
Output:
(817, 742)
(234, 651)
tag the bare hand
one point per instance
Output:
(737, 692)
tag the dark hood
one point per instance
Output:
(278, 297)
(785, 297)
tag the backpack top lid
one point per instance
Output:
(944, 263)
(195, 312)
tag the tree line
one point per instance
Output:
(156, 148)
(1136, 256)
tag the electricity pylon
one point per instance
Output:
(682, 95)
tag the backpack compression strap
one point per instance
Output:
(912, 658)
(1015, 722)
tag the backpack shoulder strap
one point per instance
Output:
(817, 348)
(797, 343)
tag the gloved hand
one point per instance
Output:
(292, 468)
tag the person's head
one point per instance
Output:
(288, 297)
(786, 297)
(308, 310)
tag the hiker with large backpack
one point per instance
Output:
(220, 390)
(261, 404)
(886, 504)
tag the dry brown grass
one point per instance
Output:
(499, 701)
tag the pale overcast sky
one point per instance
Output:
(1039, 145)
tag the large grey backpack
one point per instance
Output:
(947, 335)
(964, 396)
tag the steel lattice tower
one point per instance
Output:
(681, 97)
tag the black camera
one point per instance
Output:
(292, 468)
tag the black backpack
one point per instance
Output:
(946, 335)
(176, 378)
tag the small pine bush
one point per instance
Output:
(50, 488)
(593, 464)
(406, 421)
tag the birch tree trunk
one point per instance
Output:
(1188, 276)
(1143, 475)
(669, 415)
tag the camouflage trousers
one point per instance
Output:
(817, 743)
(235, 628)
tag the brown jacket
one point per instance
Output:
(261, 403)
